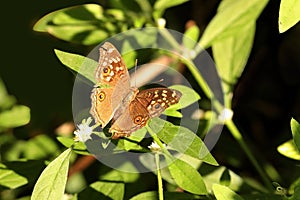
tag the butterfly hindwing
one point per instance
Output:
(114, 100)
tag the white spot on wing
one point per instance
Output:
(174, 94)
(115, 61)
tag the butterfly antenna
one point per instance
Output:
(135, 72)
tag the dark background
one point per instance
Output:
(265, 99)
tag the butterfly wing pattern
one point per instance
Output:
(126, 107)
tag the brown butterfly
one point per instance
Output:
(113, 99)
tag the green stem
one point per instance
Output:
(157, 140)
(159, 178)
(169, 37)
(239, 138)
(229, 123)
(162, 147)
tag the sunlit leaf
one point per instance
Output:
(83, 65)
(237, 14)
(190, 37)
(135, 138)
(222, 175)
(182, 140)
(110, 189)
(51, 183)
(6, 100)
(83, 24)
(11, 179)
(86, 34)
(153, 195)
(161, 5)
(231, 55)
(289, 14)
(78, 147)
(289, 150)
(224, 193)
(36, 147)
(191, 181)
(124, 171)
(189, 96)
(29, 169)
(19, 115)
(295, 126)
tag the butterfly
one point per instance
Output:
(114, 100)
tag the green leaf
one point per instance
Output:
(111, 189)
(150, 195)
(262, 196)
(164, 4)
(222, 175)
(81, 24)
(189, 96)
(135, 138)
(29, 169)
(6, 100)
(182, 140)
(296, 194)
(19, 115)
(161, 5)
(11, 179)
(295, 126)
(79, 14)
(289, 14)
(172, 112)
(289, 150)
(78, 147)
(51, 183)
(36, 149)
(124, 170)
(231, 55)
(237, 15)
(80, 64)
(85, 34)
(153, 195)
(74, 14)
(190, 37)
(224, 193)
(191, 181)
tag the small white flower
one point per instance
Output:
(161, 23)
(84, 131)
(225, 115)
(154, 147)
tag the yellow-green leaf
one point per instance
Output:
(52, 182)
(231, 16)
(19, 115)
(289, 14)
(224, 193)
(80, 64)
(289, 150)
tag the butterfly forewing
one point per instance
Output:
(114, 100)
(112, 84)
